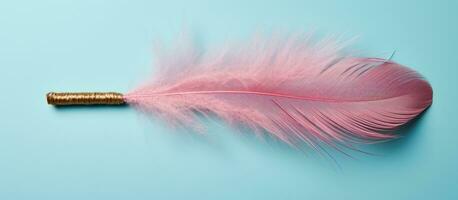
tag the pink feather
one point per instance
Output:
(294, 89)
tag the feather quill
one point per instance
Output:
(293, 88)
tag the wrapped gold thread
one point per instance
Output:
(85, 98)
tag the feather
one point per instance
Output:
(294, 89)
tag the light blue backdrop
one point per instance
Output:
(115, 153)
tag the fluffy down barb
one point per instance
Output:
(294, 89)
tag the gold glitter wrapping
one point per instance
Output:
(84, 98)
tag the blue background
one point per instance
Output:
(115, 153)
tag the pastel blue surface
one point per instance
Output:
(115, 153)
